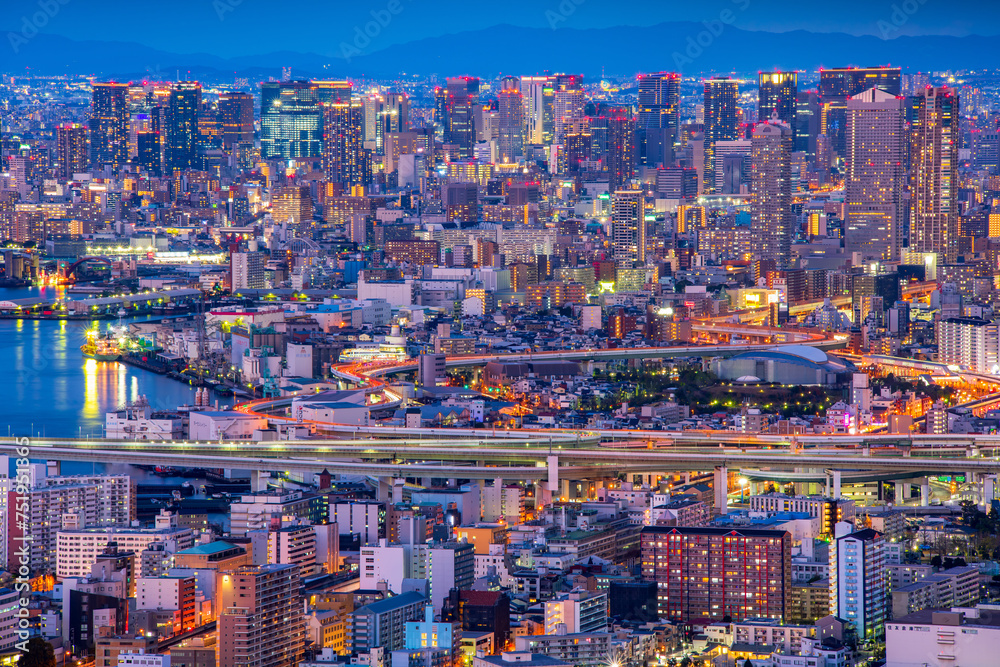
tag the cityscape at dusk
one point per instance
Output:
(549, 334)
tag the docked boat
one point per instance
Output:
(102, 347)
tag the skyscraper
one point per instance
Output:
(396, 112)
(628, 228)
(807, 122)
(721, 122)
(148, 155)
(260, 617)
(659, 101)
(538, 97)
(71, 145)
(182, 126)
(771, 190)
(109, 125)
(291, 116)
(621, 155)
(511, 126)
(874, 179)
(343, 142)
(778, 92)
(934, 139)
(236, 111)
(463, 98)
(839, 84)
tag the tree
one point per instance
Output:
(936, 561)
(686, 662)
(748, 663)
(39, 654)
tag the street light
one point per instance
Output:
(743, 481)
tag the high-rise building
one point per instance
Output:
(778, 93)
(109, 125)
(396, 112)
(462, 103)
(292, 203)
(721, 122)
(659, 101)
(935, 135)
(291, 116)
(568, 103)
(182, 126)
(807, 122)
(539, 95)
(260, 617)
(510, 141)
(839, 84)
(703, 575)
(343, 142)
(859, 589)
(875, 175)
(236, 112)
(71, 146)
(628, 228)
(621, 155)
(771, 189)
(148, 152)
(247, 270)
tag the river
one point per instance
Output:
(48, 388)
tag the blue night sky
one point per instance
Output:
(250, 27)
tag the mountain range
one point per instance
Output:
(690, 48)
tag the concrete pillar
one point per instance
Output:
(383, 491)
(397, 490)
(564, 489)
(53, 468)
(426, 481)
(553, 465)
(925, 494)
(721, 488)
(258, 480)
(836, 484)
(901, 494)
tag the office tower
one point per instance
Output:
(567, 109)
(621, 155)
(463, 98)
(236, 113)
(291, 116)
(934, 139)
(292, 204)
(109, 125)
(576, 147)
(875, 175)
(343, 142)
(679, 183)
(628, 228)
(778, 92)
(260, 617)
(734, 166)
(703, 575)
(511, 130)
(539, 95)
(181, 134)
(859, 591)
(71, 146)
(139, 122)
(396, 112)
(807, 122)
(441, 113)
(659, 101)
(721, 123)
(771, 189)
(839, 84)
(148, 155)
